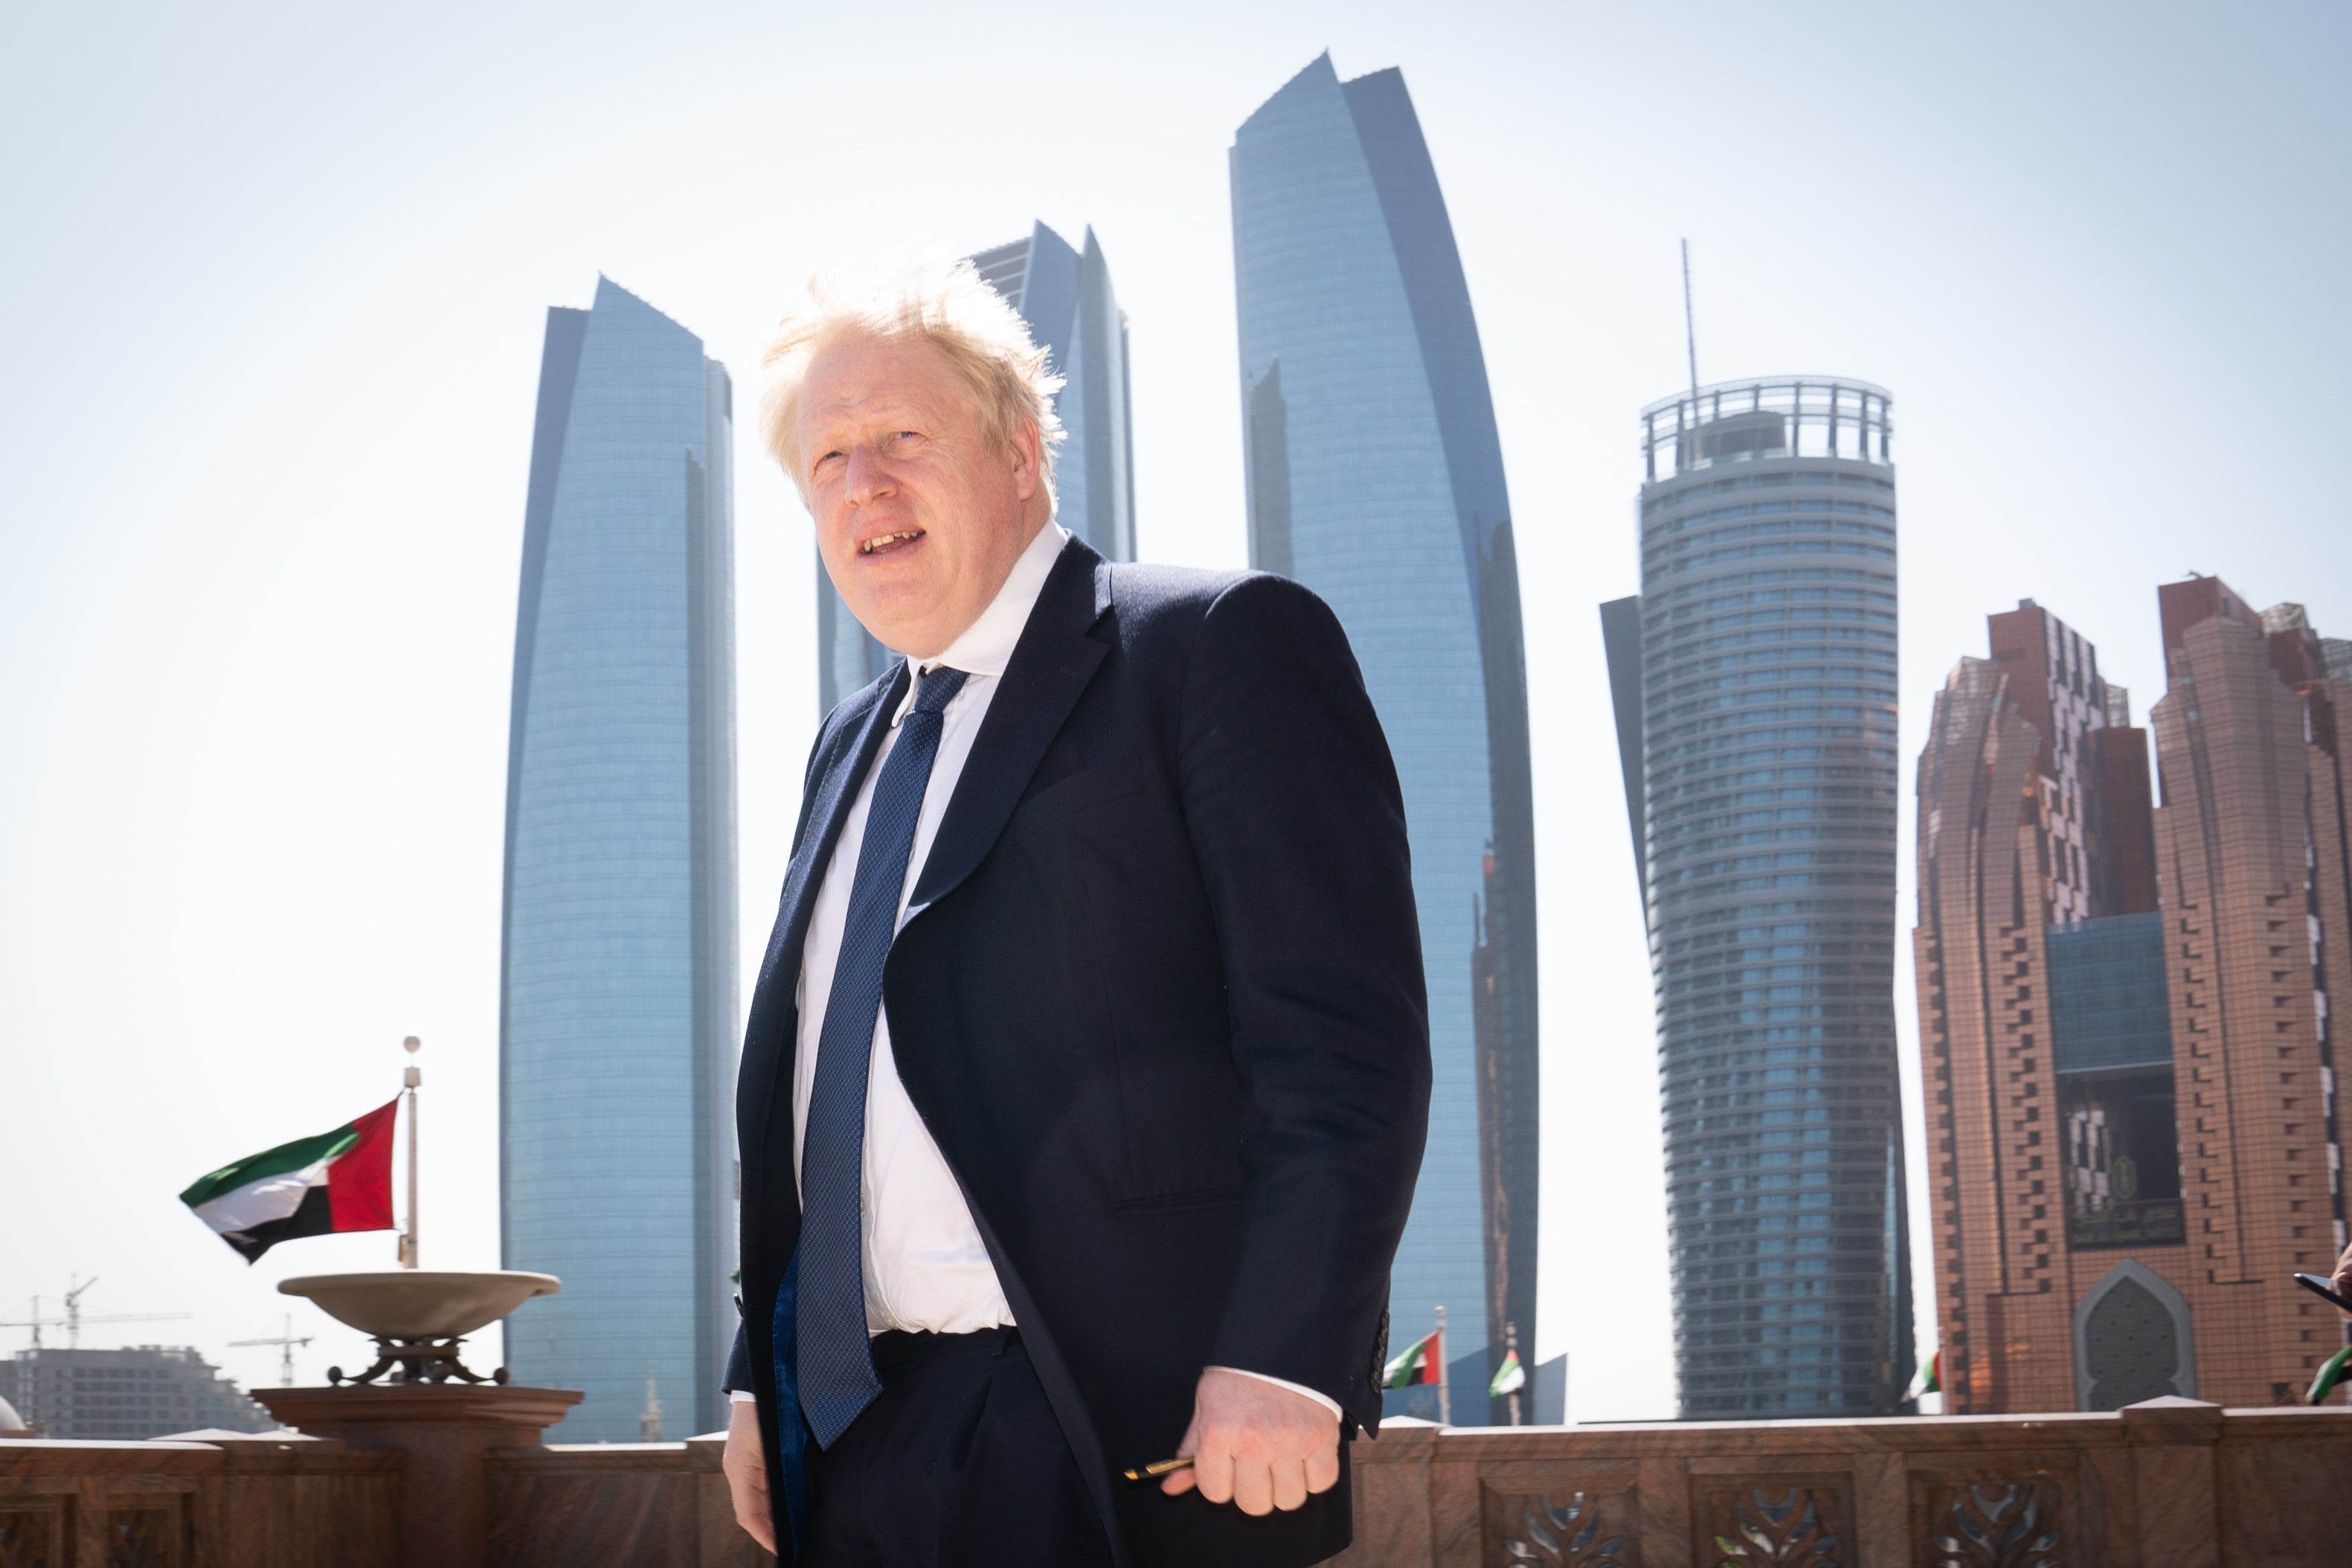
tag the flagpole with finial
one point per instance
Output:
(409, 1079)
(1444, 1390)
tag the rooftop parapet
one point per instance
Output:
(1777, 416)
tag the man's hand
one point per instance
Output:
(1255, 1446)
(2343, 1281)
(745, 1466)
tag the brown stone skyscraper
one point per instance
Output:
(2123, 1012)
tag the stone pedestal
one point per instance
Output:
(447, 1430)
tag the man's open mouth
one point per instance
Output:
(882, 542)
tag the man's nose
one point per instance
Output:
(869, 478)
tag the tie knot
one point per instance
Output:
(934, 691)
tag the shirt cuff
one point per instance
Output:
(1325, 1400)
(741, 1396)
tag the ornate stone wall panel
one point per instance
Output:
(147, 1533)
(1581, 1530)
(35, 1531)
(2020, 1510)
(1773, 1520)
(1561, 1516)
(1994, 1524)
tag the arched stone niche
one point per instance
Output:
(2132, 1340)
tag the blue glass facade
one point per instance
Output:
(1375, 476)
(1755, 684)
(2108, 1006)
(1065, 296)
(617, 1007)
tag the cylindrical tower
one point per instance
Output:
(1768, 704)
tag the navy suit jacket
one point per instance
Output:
(1161, 1006)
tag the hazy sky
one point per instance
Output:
(274, 279)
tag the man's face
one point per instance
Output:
(919, 515)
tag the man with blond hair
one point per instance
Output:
(1088, 1071)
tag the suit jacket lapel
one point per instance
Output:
(771, 1044)
(1050, 667)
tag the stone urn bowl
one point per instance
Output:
(419, 1317)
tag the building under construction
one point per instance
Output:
(125, 1395)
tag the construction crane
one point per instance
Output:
(73, 1320)
(285, 1343)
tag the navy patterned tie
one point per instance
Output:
(835, 1361)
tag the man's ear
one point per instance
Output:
(1028, 460)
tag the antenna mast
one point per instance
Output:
(1690, 331)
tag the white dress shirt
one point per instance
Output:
(926, 1267)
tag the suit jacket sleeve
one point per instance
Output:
(738, 1362)
(1295, 812)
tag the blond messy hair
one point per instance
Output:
(946, 303)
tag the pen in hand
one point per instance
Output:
(1158, 1468)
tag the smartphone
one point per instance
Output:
(2319, 1285)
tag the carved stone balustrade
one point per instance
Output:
(256, 1503)
(2169, 1484)
(642, 1505)
(2172, 1483)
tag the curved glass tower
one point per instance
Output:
(1375, 476)
(1755, 680)
(617, 1011)
(1065, 296)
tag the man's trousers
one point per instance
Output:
(959, 1463)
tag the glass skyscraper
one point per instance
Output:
(1754, 681)
(1065, 296)
(617, 1007)
(1375, 476)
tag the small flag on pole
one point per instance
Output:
(1419, 1362)
(2330, 1373)
(1930, 1379)
(313, 1186)
(1509, 1377)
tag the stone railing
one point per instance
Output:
(637, 1505)
(418, 1476)
(250, 1504)
(462, 1480)
(2172, 1483)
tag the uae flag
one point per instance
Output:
(1422, 1362)
(2329, 1376)
(1930, 1379)
(337, 1180)
(1509, 1378)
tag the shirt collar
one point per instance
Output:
(985, 647)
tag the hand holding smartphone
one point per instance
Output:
(2320, 1285)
